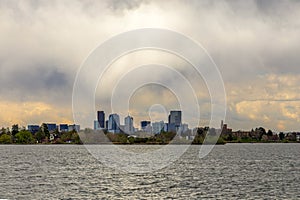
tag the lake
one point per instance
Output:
(231, 171)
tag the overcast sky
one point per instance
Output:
(255, 44)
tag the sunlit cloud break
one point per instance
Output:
(255, 45)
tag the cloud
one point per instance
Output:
(278, 115)
(124, 5)
(269, 100)
(32, 113)
(254, 44)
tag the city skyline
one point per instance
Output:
(149, 99)
(253, 43)
(113, 125)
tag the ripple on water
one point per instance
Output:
(234, 171)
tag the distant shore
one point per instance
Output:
(198, 136)
(158, 144)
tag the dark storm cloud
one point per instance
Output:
(253, 37)
(27, 83)
(43, 43)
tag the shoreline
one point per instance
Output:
(156, 144)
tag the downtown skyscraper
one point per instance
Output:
(101, 119)
(128, 121)
(174, 121)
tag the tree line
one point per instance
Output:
(17, 135)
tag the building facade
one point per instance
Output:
(174, 121)
(33, 128)
(128, 121)
(101, 119)
(74, 127)
(146, 126)
(51, 127)
(157, 127)
(63, 128)
(114, 123)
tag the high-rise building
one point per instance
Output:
(157, 127)
(174, 121)
(114, 123)
(101, 119)
(128, 121)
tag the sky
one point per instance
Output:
(254, 44)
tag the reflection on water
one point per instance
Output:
(232, 171)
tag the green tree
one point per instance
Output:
(15, 129)
(24, 137)
(8, 131)
(5, 139)
(264, 138)
(56, 132)
(230, 137)
(75, 138)
(122, 138)
(198, 140)
(3, 130)
(45, 130)
(261, 131)
(131, 140)
(200, 131)
(281, 135)
(270, 133)
(40, 136)
(71, 136)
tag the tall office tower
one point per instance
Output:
(114, 123)
(128, 121)
(101, 119)
(174, 121)
(157, 127)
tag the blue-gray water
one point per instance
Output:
(232, 171)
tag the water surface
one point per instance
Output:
(231, 171)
